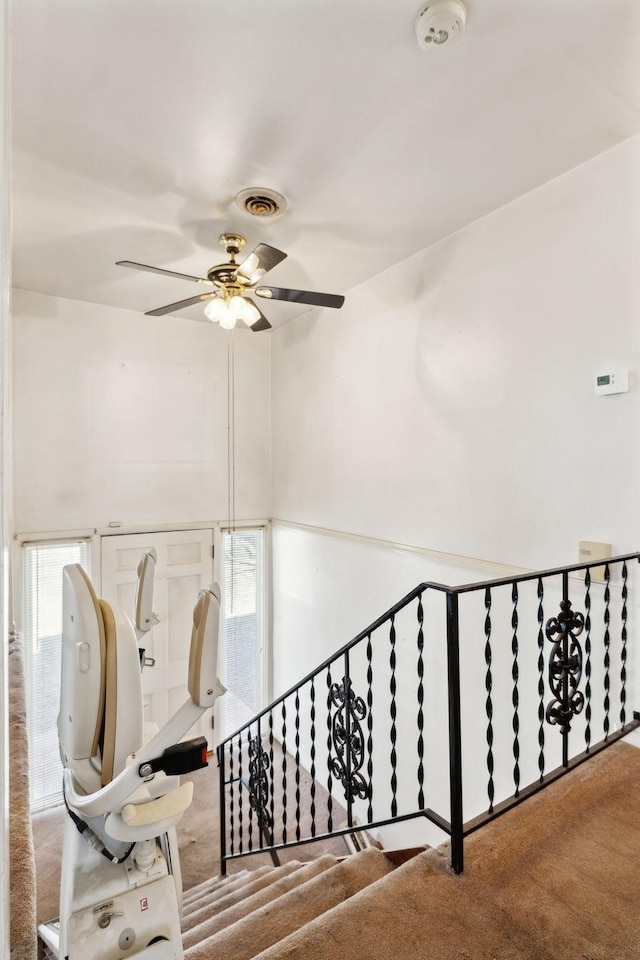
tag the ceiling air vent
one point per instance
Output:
(261, 202)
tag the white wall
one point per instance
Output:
(327, 589)
(123, 417)
(450, 403)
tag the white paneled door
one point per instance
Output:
(185, 565)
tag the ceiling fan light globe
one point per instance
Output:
(241, 309)
(216, 310)
(227, 320)
(236, 306)
(252, 314)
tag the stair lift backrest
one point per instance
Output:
(100, 721)
(204, 686)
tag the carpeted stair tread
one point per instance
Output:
(216, 883)
(196, 891)
(220, 900)
(211, 927)
(263, 927)
(224, 887)
(416, 911)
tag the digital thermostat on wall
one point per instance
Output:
(615, 382)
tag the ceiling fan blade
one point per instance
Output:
(167, 273)
(260, 261)
(171, 307)
(301, 296)
(261, 323)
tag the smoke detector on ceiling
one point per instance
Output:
(261, 202)
(440, 23)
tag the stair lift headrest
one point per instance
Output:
(144, 617)
(100, 720)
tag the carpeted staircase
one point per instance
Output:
(554, 879)
(246, 914)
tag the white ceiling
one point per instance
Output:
(136, 122)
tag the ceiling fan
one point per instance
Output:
(231, 282)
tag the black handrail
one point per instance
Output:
(347, 749)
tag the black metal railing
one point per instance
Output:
(455, 705)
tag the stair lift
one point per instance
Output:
(121, 887)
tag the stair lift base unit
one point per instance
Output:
(114, 909)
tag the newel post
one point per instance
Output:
(223, 819)
(455, 733)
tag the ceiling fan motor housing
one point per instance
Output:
(440, 24)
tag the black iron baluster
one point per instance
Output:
(515, 696)
(260, 809)
(346, 681)
(370, 727)
(258, 785)
(488, 683)
(250, 805)
(284, 771)
(607, 644)
(240, 813)
(420, 615)
(297, 724)
(540, 594)
(231, 810)
(272, 819)
(222, 808)
(623, 652)
(329, 757)
(394, 732)
(313, 757)
(587, 650)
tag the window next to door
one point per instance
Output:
(244, 666)
(42, 565)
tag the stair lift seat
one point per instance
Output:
(121, 887)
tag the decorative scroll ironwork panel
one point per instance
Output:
(347, 739)
(259, 765)
(565, 666)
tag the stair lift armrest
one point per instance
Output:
(149, 818)
(115, 794)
